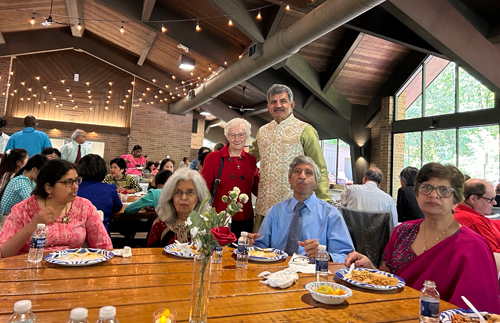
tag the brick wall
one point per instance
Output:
(157, 132)
(5, 66)
(399, 146)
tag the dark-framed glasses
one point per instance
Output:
(237, 135)
(442, 191)
(69, 182)
(179, 193)
(490, 200)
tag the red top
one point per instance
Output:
(488, 228)
(246, 178)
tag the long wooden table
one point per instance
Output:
(152, 279)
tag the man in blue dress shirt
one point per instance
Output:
(303, 222)
(30, 139)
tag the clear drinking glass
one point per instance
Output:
(158, 313)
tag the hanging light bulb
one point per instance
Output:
(209, 68)
(163, 28)
(198, 25)
(230, 22)
(225, 61)
(122, 30)
(88, 83)
(110, 83)
(240, 56)
(173, 77)
(287, 7)
(79, 27)
(259, 16)
(32, 20)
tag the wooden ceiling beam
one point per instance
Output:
(147, 47)
(494, 33)
(2, 40)
(75, 11)
(147, 9)
(205, 43)
(276, 21)
(240, 16)
(340, 59)
(310, 78)
(446, 28)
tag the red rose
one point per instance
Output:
(223, 235)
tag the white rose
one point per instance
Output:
(236, 190)
(197, 244)
(203, 232)
(194, 231)
(243, 198)
(188, 221)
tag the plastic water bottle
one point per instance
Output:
(22, 313)
(322, 264)
(78, 315)
(242, 255)
(429, 303)
(37, 244)
(107, 314)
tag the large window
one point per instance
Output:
(337, 155)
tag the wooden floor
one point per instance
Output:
(152, 280)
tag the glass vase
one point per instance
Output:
(200, 288)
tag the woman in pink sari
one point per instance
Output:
(134, 160)
(438, 248)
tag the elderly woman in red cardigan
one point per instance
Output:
(239, 169)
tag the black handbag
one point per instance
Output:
(217, 181)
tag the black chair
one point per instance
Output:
(370, 230)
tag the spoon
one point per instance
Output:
(481, 318)
(351, 269)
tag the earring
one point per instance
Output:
(49, 196)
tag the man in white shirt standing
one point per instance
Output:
(4, 138)
(73, 151)
(368, 197)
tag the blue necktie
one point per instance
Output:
(295, 230)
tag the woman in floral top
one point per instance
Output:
(70, 220)
(124, 183)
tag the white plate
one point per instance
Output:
(342, 272)
(279, 254)
(173, 249)
(446, 316)
(57, 257)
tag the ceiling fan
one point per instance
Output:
(49, 21)
(242, 107)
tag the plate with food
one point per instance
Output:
(185, 250)
(460, 315)
(370, 279)
(78, 257)
(264, 254)
(329, 293)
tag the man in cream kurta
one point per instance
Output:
(276, 145)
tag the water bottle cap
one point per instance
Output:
(40, 226)
(22, 306)
(430, 283)
(107, 312)
(79, 313)
(244, 233)
(322, 247)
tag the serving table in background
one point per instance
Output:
(152, 279)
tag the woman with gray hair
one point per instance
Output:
(184, 191)
(407, 205)
(234, 168)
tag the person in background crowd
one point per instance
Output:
(29, 138)
(184, 191)
(134, 160)
(92, 169)
(149, 170)
(303, 222)
(51, 153)
(218, 146)
(239, 170)
(152, 196)
(479, 199)
(4, 138)
(276, 145)
(21, 185)
(407, 205)
(167, 164)
(74, 150)
(419, 250)
(368, 197)
(70, 220)
(11, 164)
(185, 163)
(497, 194)
(201, 161)
(194, 162)
(124, 183)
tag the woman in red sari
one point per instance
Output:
(438, 248)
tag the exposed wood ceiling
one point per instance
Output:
(357, 60)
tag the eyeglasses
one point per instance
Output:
(69, 182)
(239, 135)
(442, 191)
(189, 193)
(490, 200)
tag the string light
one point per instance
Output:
(198, 25)
(110, 83)
(225, 61)
(173, 77)
(122, 30)
(79, 27)
(32, 20)
(230, 22)
(287, 7)
(259, 16)
(163, 28)
(88, 83)
(37, 78)
(240, 56)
